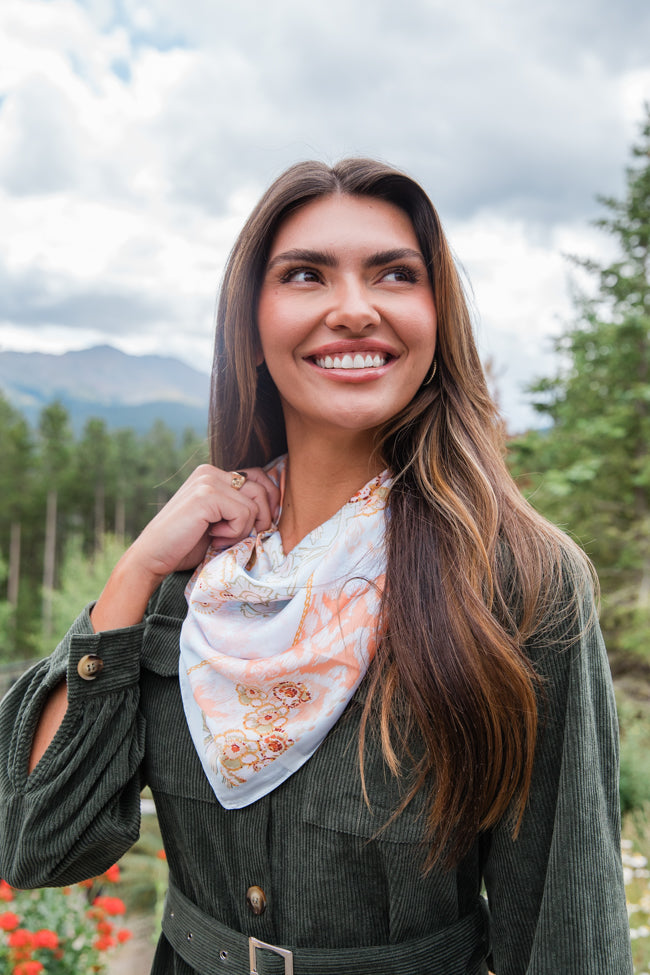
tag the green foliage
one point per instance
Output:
(635, 759)
(590, 470)
(82, 579)
(16, 447)
(55, 436)
(6, 614)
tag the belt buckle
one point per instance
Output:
(254, 943)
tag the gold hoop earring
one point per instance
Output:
(431, 373)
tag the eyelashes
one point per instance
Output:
(408, 274)
(404, 274)
(292, 275)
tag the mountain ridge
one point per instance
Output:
(104, 382)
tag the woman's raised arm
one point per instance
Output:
(207, 507)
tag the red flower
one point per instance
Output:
(87, 883)
(28, 968)
(21, 938)
(124, 935)
(9, 921)
(104, 943)
(112, 905)
(161, 855)
(46, 939)
(6, 893)
(113, 874)
(104, 927)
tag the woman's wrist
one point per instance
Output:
(125, 597)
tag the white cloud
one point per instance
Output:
(634, 91)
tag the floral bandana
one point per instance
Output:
(274, 646)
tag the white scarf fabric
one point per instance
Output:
(274, 646)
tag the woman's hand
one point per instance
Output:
(207, 508)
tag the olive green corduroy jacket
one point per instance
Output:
(556, 894)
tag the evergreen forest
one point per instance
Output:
(70, 505)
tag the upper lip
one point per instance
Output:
(351, 347)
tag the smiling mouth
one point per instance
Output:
(347, 361)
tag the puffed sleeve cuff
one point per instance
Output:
(103, 663)
(115, 658)
(79, 809)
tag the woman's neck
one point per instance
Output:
(320, 479)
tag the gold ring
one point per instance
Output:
(238, 479)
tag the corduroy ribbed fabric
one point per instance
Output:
(556, 894)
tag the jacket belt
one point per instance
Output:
(211, 948)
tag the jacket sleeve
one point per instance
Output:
(556, 892)
(79, 810)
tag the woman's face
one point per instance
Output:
(346, 317)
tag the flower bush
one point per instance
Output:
(58, 931)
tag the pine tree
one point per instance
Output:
(55, 450)
(593, 464)
(16, 485)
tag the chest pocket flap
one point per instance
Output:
(334, 796)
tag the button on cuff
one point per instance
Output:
(90, 666)
(119, 653)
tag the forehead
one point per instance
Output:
(341, 220)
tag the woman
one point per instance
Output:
(391, 689)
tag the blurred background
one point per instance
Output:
(134, 139)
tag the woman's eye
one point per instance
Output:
(301, 275)
(400, 274)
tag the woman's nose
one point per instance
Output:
(352, 308)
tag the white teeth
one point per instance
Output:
(347, 361)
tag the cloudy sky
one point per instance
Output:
(135, 137)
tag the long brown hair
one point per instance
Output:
(472, 570)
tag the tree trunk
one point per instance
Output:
(14, 565)
(49, 562)
(100, 516)
(643, 601)
(120, 520)
(643, 598)
(640, 492)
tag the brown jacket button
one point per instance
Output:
(90, 666)
(256, 900)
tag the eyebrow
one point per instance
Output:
(329, 259)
